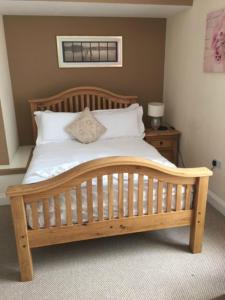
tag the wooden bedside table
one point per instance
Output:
(165, 141)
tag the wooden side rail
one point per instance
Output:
(88, 202)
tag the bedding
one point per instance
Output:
(86, 128)
(52, 159)
(119, 122)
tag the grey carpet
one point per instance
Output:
(153, 265)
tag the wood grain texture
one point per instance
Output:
(69, 216)
(165, 141)
(130, 194)
(111, 196)
(140, 194)
(90, 200)
(188, 197)
(22, 240)
(79, 204)
(34, 209)
(108, 166)
(57, 206)
(82, 99)
(103, 166)
(120, 194)
(50, 236)
(198, 223)
(159, 197)
(150, 195)
(46, 212)
(169, 197)
(100, 198)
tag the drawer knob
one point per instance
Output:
(161, 143)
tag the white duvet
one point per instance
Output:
(52, 159)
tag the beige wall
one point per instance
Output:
(4, 157)
(31, 43)
(6, 97)
(195, 101)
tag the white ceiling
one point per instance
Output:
(64, 8)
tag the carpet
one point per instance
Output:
(152, 265)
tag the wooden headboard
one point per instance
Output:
(76, 99)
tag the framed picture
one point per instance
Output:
(89, 51)
(215, 42)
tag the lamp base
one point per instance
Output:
(155, 123)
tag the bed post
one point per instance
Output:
(198, 222)
(22, 242)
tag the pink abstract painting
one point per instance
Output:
(215, 42)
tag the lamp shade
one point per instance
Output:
(156, 109)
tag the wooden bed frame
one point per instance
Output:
(27, 238)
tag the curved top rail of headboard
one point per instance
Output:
(76, 99)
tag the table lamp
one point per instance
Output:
(155, 112)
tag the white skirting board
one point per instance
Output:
(5, 181)
(3, 199)
(216, 202)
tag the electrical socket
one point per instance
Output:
(216, 163)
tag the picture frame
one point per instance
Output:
(214, 58)
(89, 51)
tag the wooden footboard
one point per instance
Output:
(49, 193)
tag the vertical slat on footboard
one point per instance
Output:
(57, 211)
(111, 196)
(46, 212)
(90, 201)
(188, 197)
(159, 197)
(34, 209)
(100, 198)
(79, 204)
(130, 194)
(169, 197)
(120, 194)
(140, 194)
(150, 195)
(178, 198)
(69, 220)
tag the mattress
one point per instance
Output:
(52, 159)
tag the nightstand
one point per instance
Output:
(165, 141)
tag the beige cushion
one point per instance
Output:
(86, 129)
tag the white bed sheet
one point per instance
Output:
(52, 159)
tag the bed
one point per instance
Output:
(74, 192)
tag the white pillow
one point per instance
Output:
(51, 125)
(37, 117)
(133, 107)
(121, 124)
